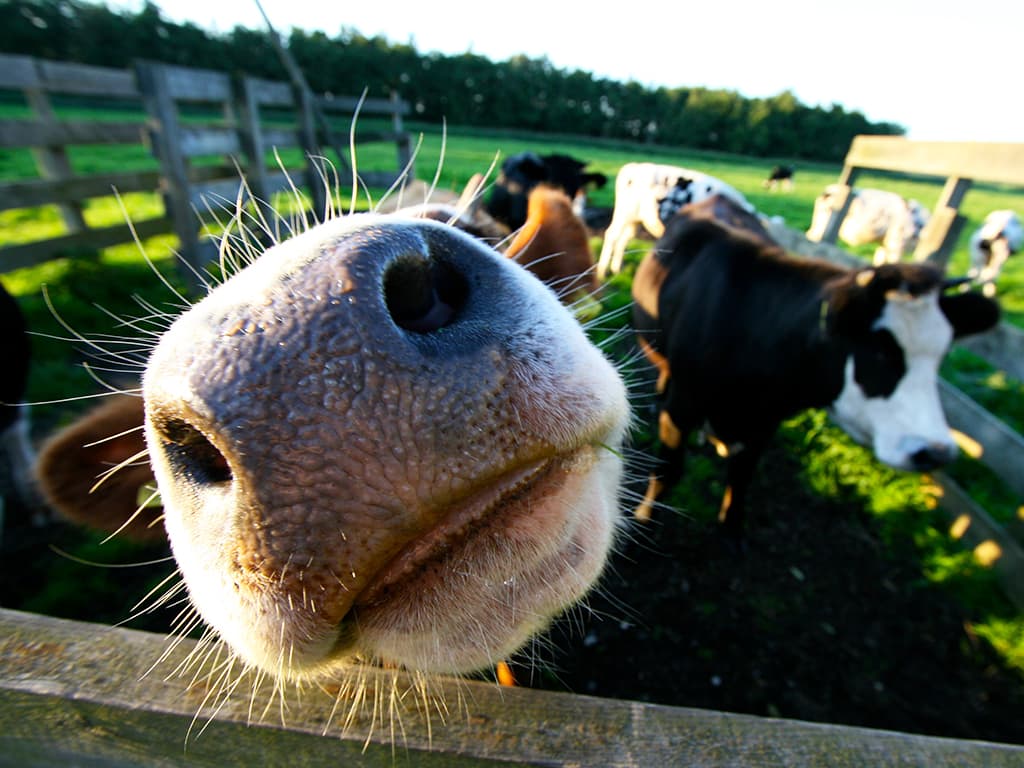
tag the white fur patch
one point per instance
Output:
(910, 419)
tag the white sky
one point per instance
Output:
(946, 70)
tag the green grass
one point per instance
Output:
(904, 504)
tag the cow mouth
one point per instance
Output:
(464, 520)
(495, 571)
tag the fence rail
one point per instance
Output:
(238, 132)
(75, 693)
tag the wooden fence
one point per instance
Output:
(84, 694)
(991, 441)
(233, 136)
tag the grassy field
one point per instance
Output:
(90, 290)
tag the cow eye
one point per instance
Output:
(878, 364)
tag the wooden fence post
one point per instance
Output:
(318, 185)
(402, 141)
(166, 144)
(944, 227)
(53, 161)
(841, 197)
(251, 139)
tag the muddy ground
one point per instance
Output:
(815, 620)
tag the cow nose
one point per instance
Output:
(933, 456)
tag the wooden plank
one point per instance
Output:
(795, 242)
(1002, 347)
(271, 93)
(369, 106)
(28, 194)
(196, 85)
(18, 72)
(974, 528)
(35, 133)
(87, 80)
(1000, 162)
(1002, 448)
(29, 254)
(195, 142)
(84, 694)
(282, 139)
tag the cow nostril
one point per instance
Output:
(423, 295)
(192, 454)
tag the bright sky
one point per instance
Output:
(946, 70)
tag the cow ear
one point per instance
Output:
(76, 472)
(969, 313)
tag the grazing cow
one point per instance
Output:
(999, 236)
(555, 246)
(521, 173)
(16, 452)
(382, 440)
(780, 176)
(649, 194)
(874, 216)
(744, 336)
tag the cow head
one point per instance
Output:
(896, 325)
(522, 172)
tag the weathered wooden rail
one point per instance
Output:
(84, 694)
(959, 163)
(237, 139)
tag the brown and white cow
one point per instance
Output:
(1000, 236)
(648, 194)
(745, 336)
(875, 216)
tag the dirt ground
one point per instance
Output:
(814, 621)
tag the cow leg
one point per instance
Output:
(668, 463)
(620, 231)
(740, 467)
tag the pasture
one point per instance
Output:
(852, 604)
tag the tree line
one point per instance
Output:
(466, 89)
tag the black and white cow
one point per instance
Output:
(520, 173)
(874, 216)
(1000, 236)
(745, 336)
(780, 176)
(647, 195)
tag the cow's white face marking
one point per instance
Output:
(905, 426)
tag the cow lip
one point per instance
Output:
(454, 527)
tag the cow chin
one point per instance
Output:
(906, 430)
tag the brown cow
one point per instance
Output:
(554, 245)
